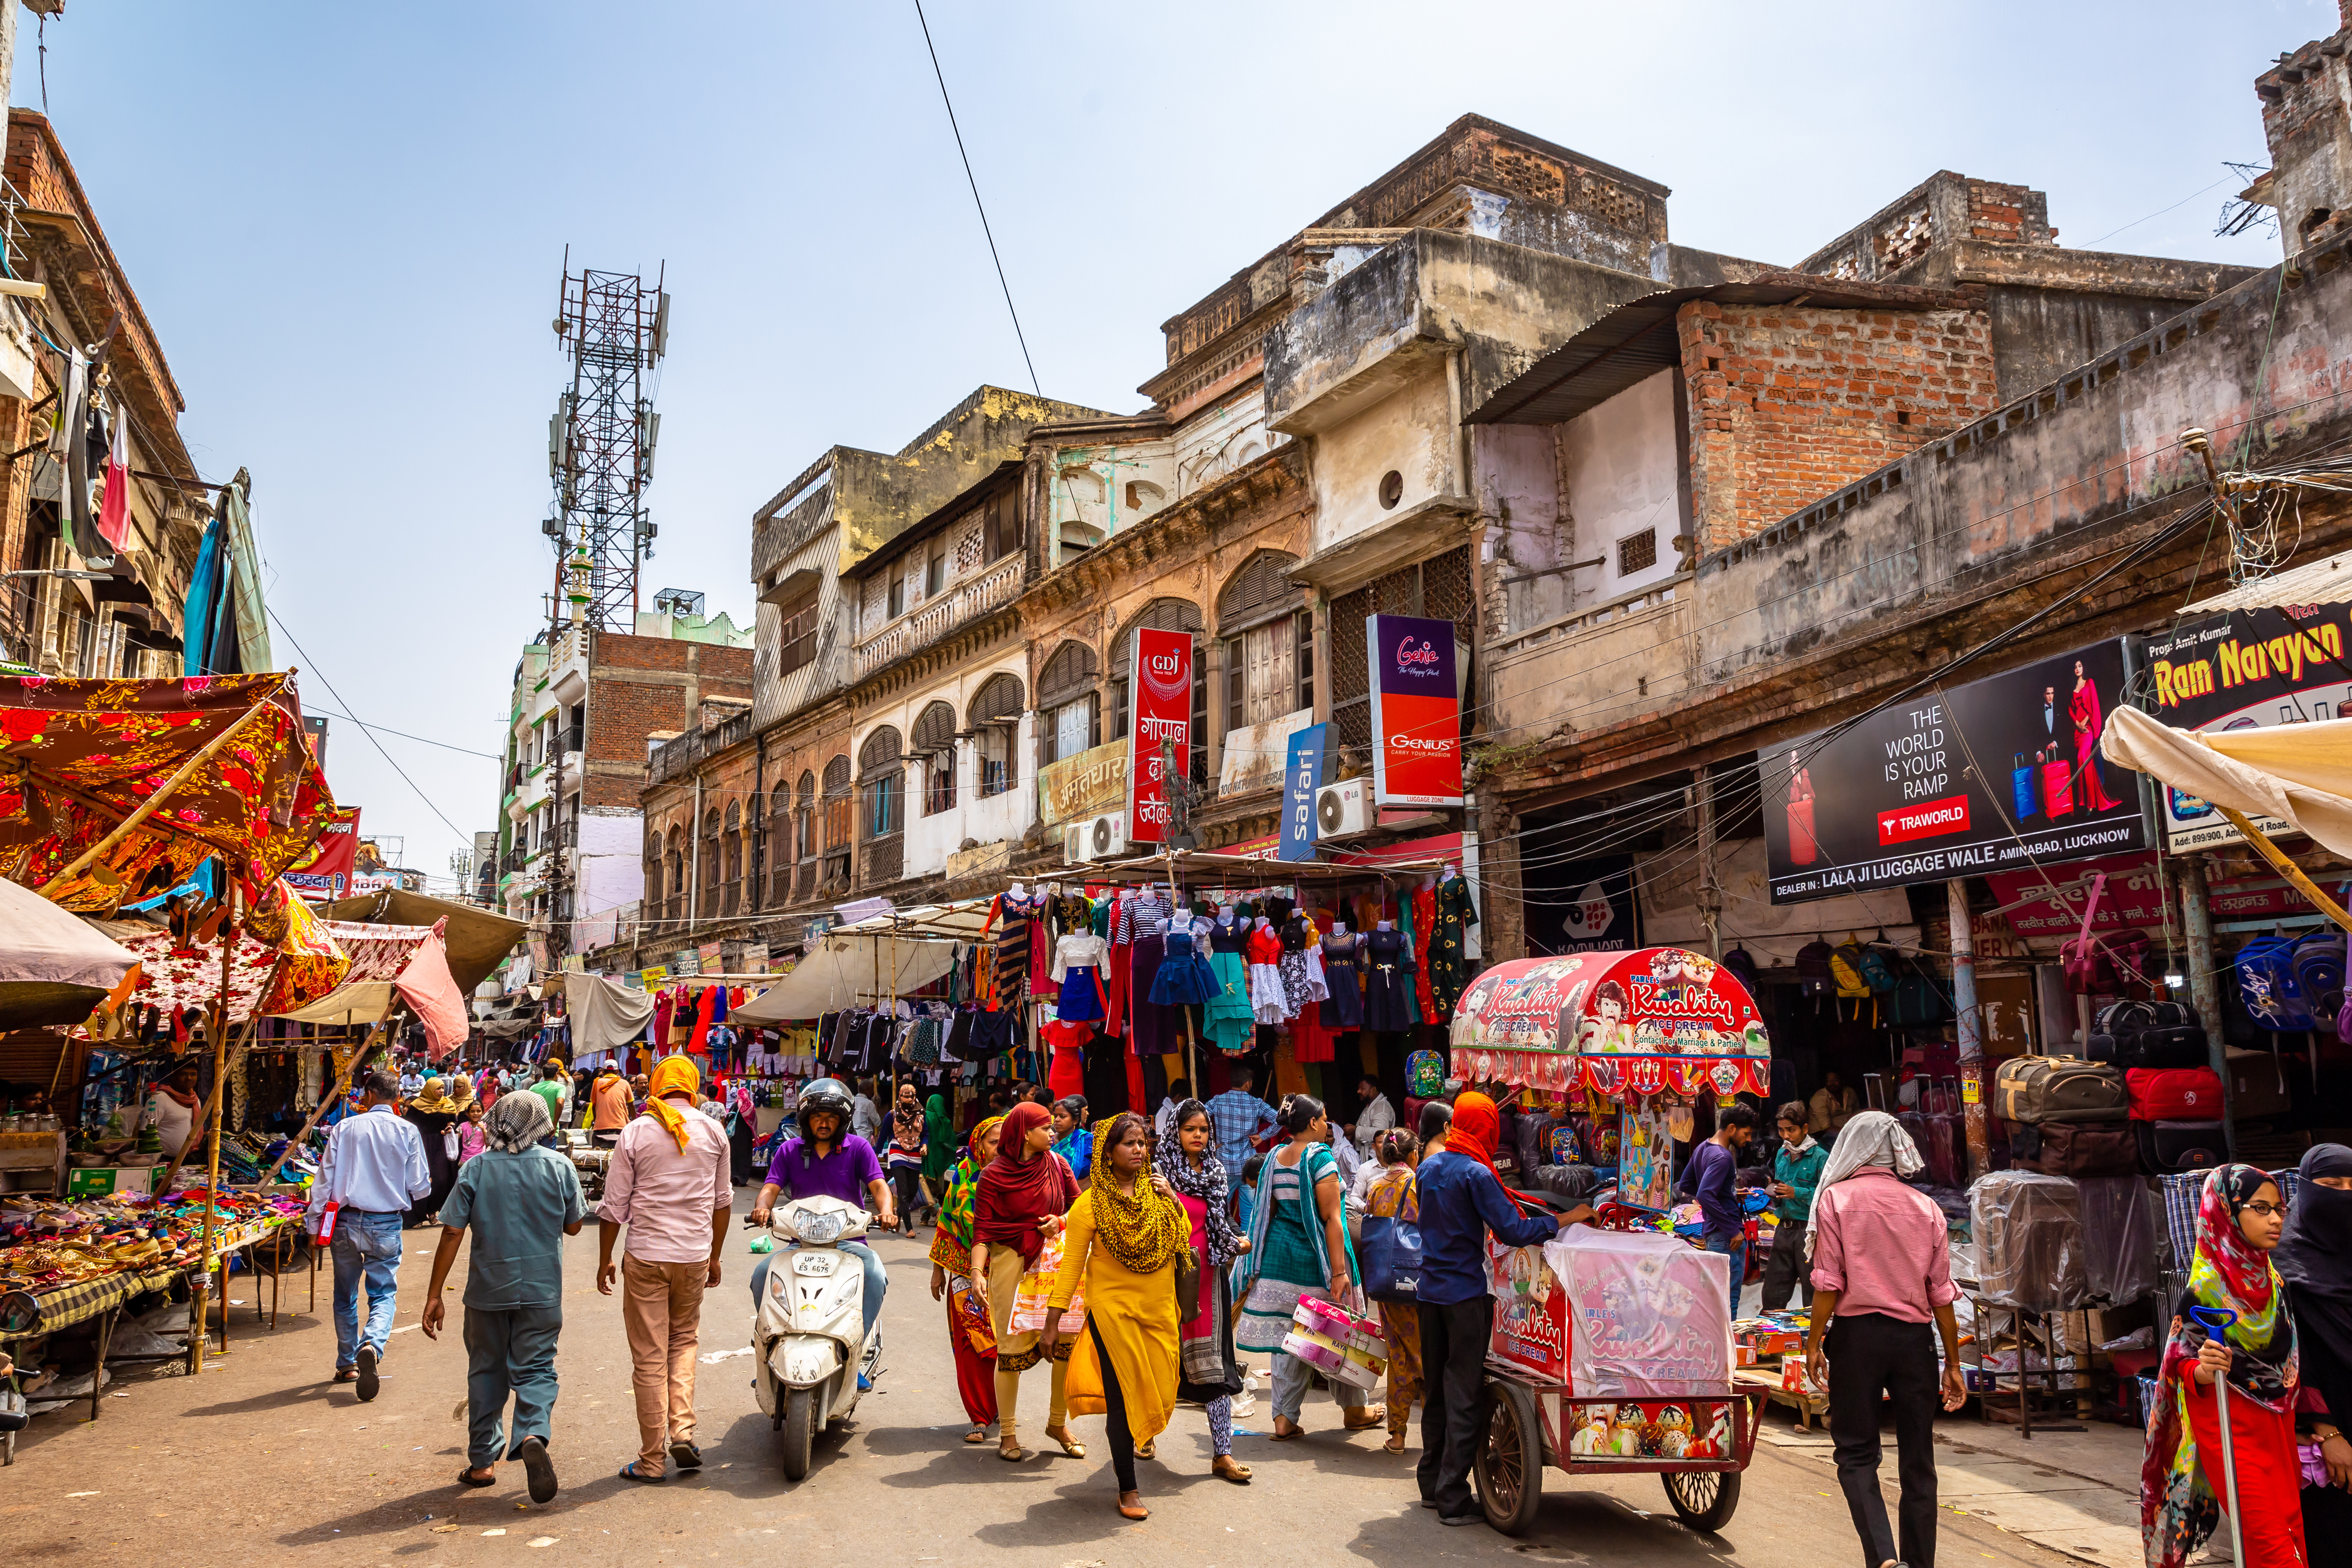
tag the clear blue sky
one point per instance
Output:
(347, 223)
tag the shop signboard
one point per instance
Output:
(709, 954)
(1416, 711)
(326, 871)
(2133, 899)
(1657, 1020)
(755, 958)
(1998, 775)
(650, 977)
(2235, 671)
(1305, 759)
(1594, 909)
(1161, 728)
(1091, 783)
(685, 961)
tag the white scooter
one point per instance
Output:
(808, 1335)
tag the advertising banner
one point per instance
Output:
(326, 871)
(1162, 698)
(1997, 775)
(1595, 911)
(1416, 711)
(1304, 767)
(2235, 671)
(1091, 783)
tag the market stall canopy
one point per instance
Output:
(477, 940)
(870, 959)
(1645, 1021)
(77, 758)
(605, 1014)
(2298, 773)
(285, 958)
(2327, 581)
(1196, 865)
(377, 953)
(54, 966)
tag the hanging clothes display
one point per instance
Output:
(1343, 979)
(1449, 965)
(1388, 988)
(1229, 1021)
(1078, 971)
(1118, 952)
(1424, 923)
(1269, 1001)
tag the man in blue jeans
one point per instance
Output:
(373, 1169)
(827, 1160)
(1711, 1177)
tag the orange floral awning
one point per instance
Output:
(77, 757)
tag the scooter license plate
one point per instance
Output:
(812, 1263)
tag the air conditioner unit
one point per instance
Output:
(1105, 837)
(1343, 810)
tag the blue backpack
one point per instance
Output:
(2319, 970)
(2273, 996)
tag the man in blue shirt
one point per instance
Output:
(1711, 1177)
(373, 1170)
(1237, 1118)
(1461, 1200)
(521, 1200)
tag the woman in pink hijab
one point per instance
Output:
(2090, 793)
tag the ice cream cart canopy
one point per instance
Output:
(1651, 1020)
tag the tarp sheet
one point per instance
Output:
(845, 970)
(377, 954)
(2300, 774)
(605, 1014)
(477, 940)
(54, 968)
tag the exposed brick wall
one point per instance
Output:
(1788, 403)
(639, 685)
(2307, 120)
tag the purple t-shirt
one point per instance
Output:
(802, 1173)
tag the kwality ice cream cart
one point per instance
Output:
(1612, 1349)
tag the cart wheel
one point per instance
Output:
(1706, 1499)
(1508, 1468)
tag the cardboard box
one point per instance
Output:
(96, 1180)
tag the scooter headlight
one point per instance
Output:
(818, 1227)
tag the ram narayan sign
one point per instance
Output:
(1161, 733)
(2000, 774)
(2236, 669)
(1416, 711)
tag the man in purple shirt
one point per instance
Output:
(827, 1160)
(1711, 1177)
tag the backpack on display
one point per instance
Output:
(1743, 967)
(2174, 1094)
(1425, 1071)
(2043, 1089)
(2319, 970)
(1917, 1000)
(2267, 984)
(2102, 966)
(1813, 977)
(1877, 973)
(1845, 968)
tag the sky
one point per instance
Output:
(348, 223)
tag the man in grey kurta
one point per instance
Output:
(519, 1200)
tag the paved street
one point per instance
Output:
(262, 1455)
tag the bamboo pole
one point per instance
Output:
(203, 1111)
(2288, 868)
(147, 807)
(228, 930)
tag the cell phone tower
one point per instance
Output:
(600, 444)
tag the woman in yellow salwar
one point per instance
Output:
(1122, 1241)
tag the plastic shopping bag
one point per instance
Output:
(1032, 1298)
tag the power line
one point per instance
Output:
(405, 735)
(1017, 333)
(463, 836)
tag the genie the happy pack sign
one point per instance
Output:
(1416, 711)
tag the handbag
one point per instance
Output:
(971, 1317)
(1389, 1252)
(1033, 1297)
(449, 1144)
(1188, 1286)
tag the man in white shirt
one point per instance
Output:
(372, 1170)
(1376, 1117)
(412, 1080)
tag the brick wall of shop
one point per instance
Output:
(1789, 403)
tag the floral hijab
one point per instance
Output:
(2178, 1509)
(1205, 1183)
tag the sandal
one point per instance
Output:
(1371, 1415)
(537, 1467)
(1143, 1450)
(465, 1478)
(977, 1434)
(1070, 1446)
(1395, 1445)
(1227, 1469)
(629, 1472)
(1294, 1431)
(1014, 1455)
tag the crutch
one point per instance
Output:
(2215, 1320)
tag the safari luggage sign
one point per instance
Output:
(1416, 711)
(1162, 662)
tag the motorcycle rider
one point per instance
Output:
(828, 1160)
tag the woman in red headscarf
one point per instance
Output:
(1461, 1199)
(1023, 1194)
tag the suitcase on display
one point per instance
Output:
(2174, 1094)
(2147, 1035)
(2168, 1147)
(2259, 1085)
(2058, 789)
(2023, 795)
(2088, 1149)
(2059, 1089)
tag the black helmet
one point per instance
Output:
(824, 1094)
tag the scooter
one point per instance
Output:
(808, 1332)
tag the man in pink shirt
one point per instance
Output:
(667, 1181)
(1881, 1274)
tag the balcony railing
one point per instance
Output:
(673, 758)
(995, 586)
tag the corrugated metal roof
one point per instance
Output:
(2327, 581)
(1636, 341)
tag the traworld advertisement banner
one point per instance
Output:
(326, 873)
(1161, 730)
(2235, 671)
(1416, 711)
(1996, 775)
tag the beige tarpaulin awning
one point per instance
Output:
(2298, 773)
(478, 939)
(870, 961)
(54, 966)
(605, 1014)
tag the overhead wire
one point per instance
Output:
(463, 836)
(975, 181)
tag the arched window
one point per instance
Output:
(706, 901)
(674, 907)
(840, 819)
(652, 896)
(935, 744)
(1070, 709)
(731, 857)
(1166, 616)
(1269, 637)
(995, 716)
(882, 783)
(805, 837)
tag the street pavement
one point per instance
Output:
(262, 1455)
